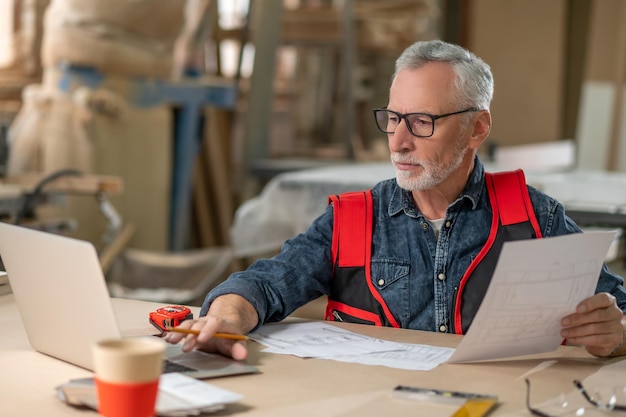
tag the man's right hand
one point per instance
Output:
(228, 314)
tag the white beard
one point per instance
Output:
(432, 174)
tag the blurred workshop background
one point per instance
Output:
(185, 138)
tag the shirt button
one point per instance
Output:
(443, 328)
(441, 277)
(424, 226)
(381, 282)
(448, 224)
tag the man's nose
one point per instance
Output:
(401, 139)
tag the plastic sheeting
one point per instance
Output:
(291, 201)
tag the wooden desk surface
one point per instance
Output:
(291, 386)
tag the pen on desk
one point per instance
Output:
(218, 335)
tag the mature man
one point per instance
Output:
(432, 228)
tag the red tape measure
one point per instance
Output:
(169, 316)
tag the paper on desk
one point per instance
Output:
(179, 395)
(316, 339)
(322, 340)
(182, 394)
(414, 357)
(536, 283)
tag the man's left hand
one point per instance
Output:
(598, 324)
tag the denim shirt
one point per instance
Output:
(415, 271)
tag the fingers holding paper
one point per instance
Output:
(598, 324)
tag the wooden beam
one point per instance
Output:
(83, 184)
(618, 101)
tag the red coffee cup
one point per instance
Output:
(127, 375)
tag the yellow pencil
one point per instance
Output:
(197, 332)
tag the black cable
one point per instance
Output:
(29, 201)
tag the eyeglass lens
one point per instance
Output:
(599, 404)
(608, 401)
(421, 125)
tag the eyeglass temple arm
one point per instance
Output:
(533, 411)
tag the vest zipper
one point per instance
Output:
(337, 316)
(451, 315)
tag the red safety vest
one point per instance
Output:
(354, 298)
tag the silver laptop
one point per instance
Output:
(65, 306)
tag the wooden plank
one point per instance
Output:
(203, 210)
(217, 157)
(311, 25)
(108, 255)
(256, 124)
(83, 184)
(618, 99)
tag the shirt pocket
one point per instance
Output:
(387, 272)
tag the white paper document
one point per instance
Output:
(535, 284)
(414, 357)
(322, 340)
(317, 340)
(183, 395)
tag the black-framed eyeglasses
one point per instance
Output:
(421, 125)
(608, 404)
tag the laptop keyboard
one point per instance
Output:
(169, 366)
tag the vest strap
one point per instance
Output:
(351, 222)
(510, 188)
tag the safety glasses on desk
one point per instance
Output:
(601, 403)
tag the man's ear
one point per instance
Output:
(480, 128)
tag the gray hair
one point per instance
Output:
(474, 81)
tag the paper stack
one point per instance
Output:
(179, 395)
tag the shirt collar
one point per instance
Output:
(402, 200)
(474, 187)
